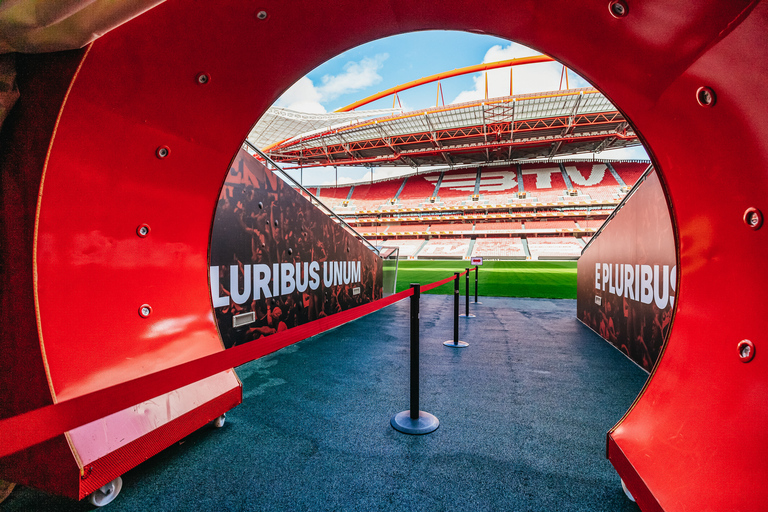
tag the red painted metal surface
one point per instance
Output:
(694, 440)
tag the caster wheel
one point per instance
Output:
(5, 489)
(219, 422)
(106, 494)
(626, 491)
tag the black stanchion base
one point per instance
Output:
(460, 344)
(426, 423)
(467, 316)
(476, 302)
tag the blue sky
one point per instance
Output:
(385, 63)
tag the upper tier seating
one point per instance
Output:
(593, 179)
(457, 186)
(375, 196)
(417, 190)
(332, 197)
(498, 184)
(630, 172)
(544, 182)
(558, 247)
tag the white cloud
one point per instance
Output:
(302, 96)
(306, 96)
(356, 76)
(526, 79)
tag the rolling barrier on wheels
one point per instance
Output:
(39, 425)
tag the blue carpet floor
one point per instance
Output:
(523, 415)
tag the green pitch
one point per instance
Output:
(541, 279)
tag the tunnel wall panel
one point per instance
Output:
(277, 261)
(627, 276)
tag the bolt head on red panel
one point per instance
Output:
(618, 8)
(203, 78)
(746, 351)
(705, 96)
(753, 218)
(163, 151)
(143, 230)
(145, 310)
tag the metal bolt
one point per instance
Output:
(290, 251)
(261, 205)
(705, 96)
(276, 222)
(203, 78)
(162, 152)
(618, 8)
(145, 310)
(142, 230)
(746, 351)
(262, 15)
(753, 218)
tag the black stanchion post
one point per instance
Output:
(455, 341)
(466, 297)
(415, 351)
(414, 421)
(476, 270)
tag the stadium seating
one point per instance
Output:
(544, 182)
(554, 248)
(376, 195)
(550, 224)
(417, 190)
(591, 222)
(630, 172)
(498, 184)
(501, 248)
(446, 228)
(333, 197)
(451, 226)
(407, 247)
(497, 227)
(457, 185)
(593, 179)
(445, 248)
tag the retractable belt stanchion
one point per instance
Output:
(455, 341)
(414, 421)
(476, 270)
(466, 296)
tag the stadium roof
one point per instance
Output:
(513, 127)
(279, 124)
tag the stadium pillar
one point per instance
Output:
(414, 421)
(466, 296)
(455, 341)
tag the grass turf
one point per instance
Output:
(539, 279)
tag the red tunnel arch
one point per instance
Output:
(694, 439)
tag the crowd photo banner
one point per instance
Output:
(277, 261)
(627, 276)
